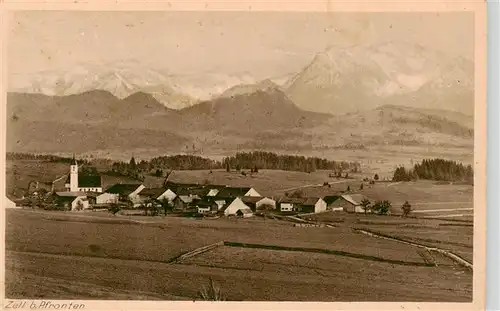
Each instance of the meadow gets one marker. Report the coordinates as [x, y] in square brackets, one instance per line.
[96, 255]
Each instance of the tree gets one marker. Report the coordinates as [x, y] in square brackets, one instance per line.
[365, 205]
[376, 177]
[167, 205]
[406, 209]
[382, 207]
[132, 164]
[159, 173]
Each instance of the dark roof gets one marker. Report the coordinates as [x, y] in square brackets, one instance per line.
[310, 201]
[354, 199]
[123, 189]
[89, 181]
[153, 192]
[200, 191]
[331, 198]
[173, 185]
[291, 200]
[233, 192]
[252, 200]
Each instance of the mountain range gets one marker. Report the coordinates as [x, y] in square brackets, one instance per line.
[336, 81]
[356, 98]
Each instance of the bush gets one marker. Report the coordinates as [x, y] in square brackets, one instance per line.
[381, 207]
[114, 208]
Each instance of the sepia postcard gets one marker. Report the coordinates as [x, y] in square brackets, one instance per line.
[232, 155]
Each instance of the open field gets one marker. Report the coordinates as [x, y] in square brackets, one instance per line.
[118, 257]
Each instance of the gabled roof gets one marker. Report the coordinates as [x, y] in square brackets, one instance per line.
[291, 200]
[123, 189]
[251, 199]
[233, 192]
[331, 198]
[186, 198]
[87, 181]
[310, 201]
[200, 191]
[354, 199]
[153, 192]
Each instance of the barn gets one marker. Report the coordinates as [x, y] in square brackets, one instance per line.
[312, 205]
[350, 203]
[259, 203]
[238, 205]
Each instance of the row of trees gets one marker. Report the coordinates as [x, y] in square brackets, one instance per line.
[41, 157]
[269, 160]
[242, 160]
[436, 169]
[383, 207]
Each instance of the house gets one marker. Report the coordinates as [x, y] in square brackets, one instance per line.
[350, 203]
[82, 182]
[74, 201]
[183, 202]
[330, 200]
[259, 203]
[107, 198]
[289, 204]
[127, 192]
[238, 205]
[234, 192]
[158, 194]
[207, 207]
[312, 205]
[245, 213]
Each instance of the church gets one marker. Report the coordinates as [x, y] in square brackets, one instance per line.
[82, 182]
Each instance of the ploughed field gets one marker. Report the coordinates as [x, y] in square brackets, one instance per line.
[95, 255]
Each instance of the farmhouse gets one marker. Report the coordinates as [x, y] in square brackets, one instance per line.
[312, 205]
[107, 198]
[207, 207]
[82, 182]
[259, 203]
[127, 192]
[289, 204]
[235, 192]
[158, 194]
[236, 206]
[184, 202]
[73, 201]
[349, 203]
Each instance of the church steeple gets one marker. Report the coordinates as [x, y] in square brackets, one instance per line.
[73, 177]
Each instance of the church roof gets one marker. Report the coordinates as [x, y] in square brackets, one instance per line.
[89, 181]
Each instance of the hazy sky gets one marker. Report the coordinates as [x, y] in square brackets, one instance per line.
[262, 44]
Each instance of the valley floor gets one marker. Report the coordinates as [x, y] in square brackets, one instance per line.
[94, 255]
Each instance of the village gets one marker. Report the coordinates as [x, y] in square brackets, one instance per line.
[84, 192]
